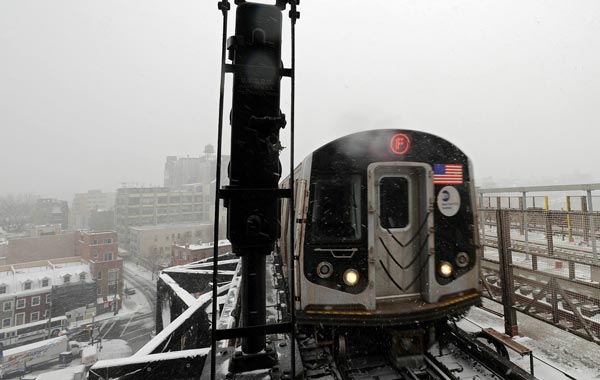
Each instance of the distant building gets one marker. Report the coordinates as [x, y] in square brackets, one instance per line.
[187, 253]
[37, 290]
[85, 204]
[160, 205]
[181, 171]
[47, 247]
[51, 211]
[102, 220]
[100, 250]
[44, 230]
[152, 244]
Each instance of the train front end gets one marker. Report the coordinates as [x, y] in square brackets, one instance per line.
[388, 231]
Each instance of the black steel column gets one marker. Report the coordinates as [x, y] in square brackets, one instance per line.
[506, 276]
[253, 304]
[255, 170]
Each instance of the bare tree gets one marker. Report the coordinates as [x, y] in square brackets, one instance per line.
[16, 211]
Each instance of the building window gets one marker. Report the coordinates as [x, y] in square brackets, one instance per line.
[108, 241]
[45, 282]
[113, 275]
[99, 276]
[48, 298]
[20, 303]
[6, 322]
[7, 306]
[27, 285]
[35, 300]
[108, 256]
[112, 288]
[94, 242]
[82, 276]
[35, 316]
[19, 319]
[2, 289]
[99, 290]
[67, 278]
[46, 314]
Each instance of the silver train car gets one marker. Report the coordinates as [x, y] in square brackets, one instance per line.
[385, 231]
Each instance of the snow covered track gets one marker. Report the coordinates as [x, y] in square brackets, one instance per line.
[460, 356]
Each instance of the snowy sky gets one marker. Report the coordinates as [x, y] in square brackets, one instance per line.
[95, 93]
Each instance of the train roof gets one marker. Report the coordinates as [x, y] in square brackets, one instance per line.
[390, 145]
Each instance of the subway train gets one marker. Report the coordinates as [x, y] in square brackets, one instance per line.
[385, 232]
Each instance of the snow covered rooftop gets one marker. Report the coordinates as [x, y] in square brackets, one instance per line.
[193, 247]
[43, 274]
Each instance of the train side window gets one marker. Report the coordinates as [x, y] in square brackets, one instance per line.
[336, 212]
[393, 202]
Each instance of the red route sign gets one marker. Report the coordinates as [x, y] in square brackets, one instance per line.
[399, 143]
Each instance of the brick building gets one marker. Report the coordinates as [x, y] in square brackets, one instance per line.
[28, 291]
[29, 249]
[100, 250]
[184, 254]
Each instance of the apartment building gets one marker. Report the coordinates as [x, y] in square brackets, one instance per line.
[31, 291]
[99, 250]
[152, 244]
[160, 205]
[85, 204]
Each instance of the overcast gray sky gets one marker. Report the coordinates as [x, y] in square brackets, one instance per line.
[95, 93]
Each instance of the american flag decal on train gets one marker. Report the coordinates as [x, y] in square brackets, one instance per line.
[447, 174]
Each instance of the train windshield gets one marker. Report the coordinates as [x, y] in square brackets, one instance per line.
[393, 202]
[335, 210]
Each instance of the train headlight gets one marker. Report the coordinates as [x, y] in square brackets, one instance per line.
[324, 269]
[351, 277]
[462, 259]
[445, 269]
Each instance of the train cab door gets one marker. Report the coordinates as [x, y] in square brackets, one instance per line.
[399, 196]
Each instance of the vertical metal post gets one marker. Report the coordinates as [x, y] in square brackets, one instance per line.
[554, 300]
[224, 8]
[292, 284]
[481, 218]
[549, 232]
[585, 223]
[254, 312]
[568, 206]
[525, 223]
[505, 253]
[592, 224]
[531, 363]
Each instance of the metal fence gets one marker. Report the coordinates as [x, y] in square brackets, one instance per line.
[545, 264]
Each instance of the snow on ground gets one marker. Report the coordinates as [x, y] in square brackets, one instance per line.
[114, 349]
[139, 270]
[576, 356]
[110, 349]
[62, 374]
[134, 303]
